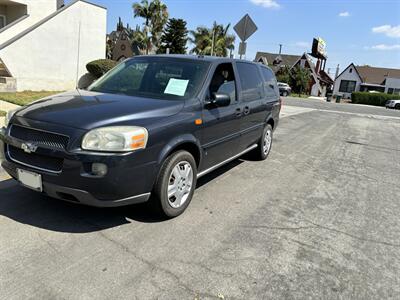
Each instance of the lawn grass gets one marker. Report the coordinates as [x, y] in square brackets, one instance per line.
[2, 113]
[23, 98]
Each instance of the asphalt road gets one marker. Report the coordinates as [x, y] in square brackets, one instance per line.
[319, 219]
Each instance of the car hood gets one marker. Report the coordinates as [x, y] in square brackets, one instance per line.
[88, 110]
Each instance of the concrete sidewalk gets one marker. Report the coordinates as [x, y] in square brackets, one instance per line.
[6, 106]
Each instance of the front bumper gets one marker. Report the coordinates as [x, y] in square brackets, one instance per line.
[129, 179]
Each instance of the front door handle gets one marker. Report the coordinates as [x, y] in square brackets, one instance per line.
[246, 110]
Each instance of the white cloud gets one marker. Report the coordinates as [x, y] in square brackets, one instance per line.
[344, 14]
[388, 30]
[303, 45]
[266, 3]
[384, 47]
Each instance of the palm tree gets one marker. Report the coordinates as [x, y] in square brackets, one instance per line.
[158, 20]
[142, 10]
[155, 14]
[139, 40]
[224, 40]
[215, 41]
[202, 40]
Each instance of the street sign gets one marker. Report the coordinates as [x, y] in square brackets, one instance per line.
[242, 48]
[245, 28]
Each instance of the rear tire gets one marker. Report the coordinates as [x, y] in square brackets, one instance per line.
[175, 184]
[265, 144]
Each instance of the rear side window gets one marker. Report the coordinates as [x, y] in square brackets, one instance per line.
[252, 84]
[270, 86]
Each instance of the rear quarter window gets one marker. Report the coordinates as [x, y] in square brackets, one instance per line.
[270, 84]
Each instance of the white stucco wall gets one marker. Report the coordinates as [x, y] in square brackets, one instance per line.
[36, 9]
[346, 75]
[48, 57]
[393, 83]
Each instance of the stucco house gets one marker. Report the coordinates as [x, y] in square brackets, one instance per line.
[365, 78]
[45, 45]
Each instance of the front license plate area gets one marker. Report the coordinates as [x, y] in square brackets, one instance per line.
[30, 180]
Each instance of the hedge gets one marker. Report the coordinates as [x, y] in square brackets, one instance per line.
[101, 66]
[377, 99]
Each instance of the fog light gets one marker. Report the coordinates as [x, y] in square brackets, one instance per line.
[99, 169]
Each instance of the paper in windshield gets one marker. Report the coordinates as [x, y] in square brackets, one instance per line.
[176, 87]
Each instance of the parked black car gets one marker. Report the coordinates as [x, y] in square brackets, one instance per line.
[144, 131]
[284, 89]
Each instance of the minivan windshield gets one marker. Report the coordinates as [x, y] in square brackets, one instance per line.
[154, 77]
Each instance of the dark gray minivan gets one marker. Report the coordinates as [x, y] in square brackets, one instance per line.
[145, 131]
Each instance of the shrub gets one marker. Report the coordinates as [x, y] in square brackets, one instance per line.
[101, 66]
[377, 99]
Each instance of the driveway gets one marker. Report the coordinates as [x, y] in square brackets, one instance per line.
[319, 219]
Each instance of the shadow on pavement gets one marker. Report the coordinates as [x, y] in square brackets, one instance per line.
[38, 210]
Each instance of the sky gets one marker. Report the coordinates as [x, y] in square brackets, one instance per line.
[364, 32]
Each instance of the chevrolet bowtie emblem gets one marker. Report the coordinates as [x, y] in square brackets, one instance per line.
[29, 147]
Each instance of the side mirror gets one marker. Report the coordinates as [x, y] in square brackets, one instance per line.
[219, 100]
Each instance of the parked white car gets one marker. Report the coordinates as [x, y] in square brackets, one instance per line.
[394, 104]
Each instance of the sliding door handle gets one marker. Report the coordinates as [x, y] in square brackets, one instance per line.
[238, 112]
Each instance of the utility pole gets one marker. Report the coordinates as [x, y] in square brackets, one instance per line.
[78, 56]
[337, 71]
[280, 49]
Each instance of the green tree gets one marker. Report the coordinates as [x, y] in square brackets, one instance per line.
[155, 15]
[301, 79]
[212, 41]
[284, 75]
[174, 37]
[139, 40]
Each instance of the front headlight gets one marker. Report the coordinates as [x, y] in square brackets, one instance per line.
[9, 116]
[116, 139]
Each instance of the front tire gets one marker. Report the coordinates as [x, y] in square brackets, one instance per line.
[175, 185]
[285, 94]
[265, 143]
[397, 106]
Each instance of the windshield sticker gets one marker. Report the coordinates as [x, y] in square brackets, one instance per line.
[176, 87]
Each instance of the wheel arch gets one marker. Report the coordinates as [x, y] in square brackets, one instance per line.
[271, 122]
[186, 142]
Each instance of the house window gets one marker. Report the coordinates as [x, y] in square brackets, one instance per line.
[351, 70]
[3, 21]
[347, 86]
[390, 91]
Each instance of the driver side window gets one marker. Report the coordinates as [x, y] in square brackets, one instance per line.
[223, 81]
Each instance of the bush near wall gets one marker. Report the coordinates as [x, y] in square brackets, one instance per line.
[377, 99]
[101, 66]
